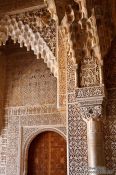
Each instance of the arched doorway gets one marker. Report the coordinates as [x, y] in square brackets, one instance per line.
[47, 155]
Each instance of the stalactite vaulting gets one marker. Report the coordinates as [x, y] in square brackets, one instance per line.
[64, 84]
[24, 35]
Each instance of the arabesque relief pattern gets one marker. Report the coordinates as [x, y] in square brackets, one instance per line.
[28, 102]
[17, 140]
[62, 68]
[77, 138]
[79, 87]
[28, 80]
[89, 94]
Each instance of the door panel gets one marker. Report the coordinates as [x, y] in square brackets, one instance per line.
[47, 155]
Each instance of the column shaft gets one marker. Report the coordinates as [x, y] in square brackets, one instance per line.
[96, 161]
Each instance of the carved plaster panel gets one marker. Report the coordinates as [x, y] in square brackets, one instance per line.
[32, 120]
[77, 139]
[62, 68]
[89, 73]
[110, 143]
[28, 81]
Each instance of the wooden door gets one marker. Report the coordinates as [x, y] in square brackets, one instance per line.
[47, 155]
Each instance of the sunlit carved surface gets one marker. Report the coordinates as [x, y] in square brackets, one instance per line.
[61, 79]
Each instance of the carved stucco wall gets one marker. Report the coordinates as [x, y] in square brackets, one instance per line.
[25, 115]
[30, 106]
[62, 63]
[77, 129]
[28, 81]
[105, 14]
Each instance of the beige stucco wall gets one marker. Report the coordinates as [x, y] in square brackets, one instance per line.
[30, 108]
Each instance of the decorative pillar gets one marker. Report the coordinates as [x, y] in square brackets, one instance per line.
[92, 114]
[85, 110]
[90, 80]
[96, 160]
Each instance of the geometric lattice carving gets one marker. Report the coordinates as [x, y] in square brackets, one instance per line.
[110, 143]
[77, 134]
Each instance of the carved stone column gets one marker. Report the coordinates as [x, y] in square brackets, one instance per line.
[96, 160]
[92, 114]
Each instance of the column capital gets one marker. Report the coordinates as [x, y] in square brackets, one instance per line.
[91, 112]
[93, 109]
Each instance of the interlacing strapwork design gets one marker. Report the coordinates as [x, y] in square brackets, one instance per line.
[77, 133]
[110, 143]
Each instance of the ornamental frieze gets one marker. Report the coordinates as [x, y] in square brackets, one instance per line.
[85, 93]
[31, 110]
